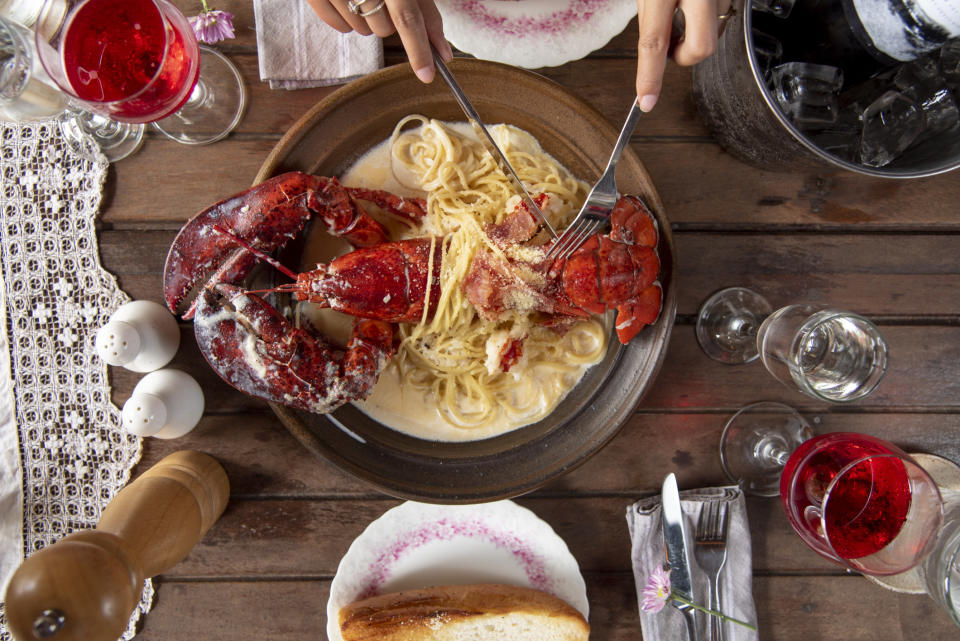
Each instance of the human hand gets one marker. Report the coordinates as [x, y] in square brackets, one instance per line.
[417, 21]
[703, 22]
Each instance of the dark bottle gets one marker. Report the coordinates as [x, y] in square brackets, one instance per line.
[864, 37]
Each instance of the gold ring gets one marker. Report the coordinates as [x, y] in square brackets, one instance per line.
[729, 13]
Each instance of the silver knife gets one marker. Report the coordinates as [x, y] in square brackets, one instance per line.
[488, 142]
[678, 554]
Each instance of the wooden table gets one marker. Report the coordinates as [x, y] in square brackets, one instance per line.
[886, 248]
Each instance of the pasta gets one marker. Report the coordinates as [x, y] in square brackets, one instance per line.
[455, 356]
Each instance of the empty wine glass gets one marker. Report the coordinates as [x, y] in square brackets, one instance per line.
[138, 61]
[854, 499]
[27, 94]
[829, 354]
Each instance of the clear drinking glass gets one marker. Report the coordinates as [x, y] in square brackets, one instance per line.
[941, 569]
[23, 12]
[138, 61]
[829, 354]
[27, 93]
[854, 499]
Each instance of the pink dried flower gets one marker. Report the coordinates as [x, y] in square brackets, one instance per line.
[657, 592]
[211, 25]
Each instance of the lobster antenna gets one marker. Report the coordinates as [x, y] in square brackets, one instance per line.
[262, 255]
[285, 288]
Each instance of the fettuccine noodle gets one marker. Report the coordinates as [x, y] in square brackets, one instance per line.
[455, 355]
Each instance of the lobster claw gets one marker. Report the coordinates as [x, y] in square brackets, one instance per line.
[266, 216]
[221, 243]
[257, 350]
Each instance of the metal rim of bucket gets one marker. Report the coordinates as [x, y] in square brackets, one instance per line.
[801, 138]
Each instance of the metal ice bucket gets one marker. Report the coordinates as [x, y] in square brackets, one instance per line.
[743, 116]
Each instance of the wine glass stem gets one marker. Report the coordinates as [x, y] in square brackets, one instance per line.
[744, 327]
[772, 453]
[199, 95]
[97, 125]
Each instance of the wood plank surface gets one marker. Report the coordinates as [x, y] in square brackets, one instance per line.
[701, 186]
[924, 375]
[288, 538]
[842, 607]
[887, 275]
[886, 248]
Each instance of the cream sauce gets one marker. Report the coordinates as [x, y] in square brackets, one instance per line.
[391, 402]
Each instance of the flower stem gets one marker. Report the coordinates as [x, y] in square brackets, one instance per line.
[721, 615]
[205, 7]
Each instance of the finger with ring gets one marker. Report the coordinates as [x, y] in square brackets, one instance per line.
[355, 7]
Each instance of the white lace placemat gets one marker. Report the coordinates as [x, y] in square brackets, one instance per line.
[72, 452]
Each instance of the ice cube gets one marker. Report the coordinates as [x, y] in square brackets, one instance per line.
[890, 125]
[922, 81]
[808, 93]
[779, 8]
[768, 51]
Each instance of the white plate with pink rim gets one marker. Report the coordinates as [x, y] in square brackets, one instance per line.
[417, 545]
[533, 33]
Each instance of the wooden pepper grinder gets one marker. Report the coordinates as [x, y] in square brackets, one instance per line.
[85, 586]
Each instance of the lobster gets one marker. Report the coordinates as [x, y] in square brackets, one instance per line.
[259, 351]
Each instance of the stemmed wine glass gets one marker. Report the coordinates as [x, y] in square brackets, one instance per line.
[138, 61]
[854, 499]
[829, 354]
[27, 93]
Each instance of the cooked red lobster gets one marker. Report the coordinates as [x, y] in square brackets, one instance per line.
[256, 349]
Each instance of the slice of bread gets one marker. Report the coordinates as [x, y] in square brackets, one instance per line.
[482, 612]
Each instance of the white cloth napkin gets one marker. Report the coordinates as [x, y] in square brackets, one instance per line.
[647, 552]
[11, 474]
[297, 49]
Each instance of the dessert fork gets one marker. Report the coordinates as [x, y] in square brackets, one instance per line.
[710, 551]
[595, 213]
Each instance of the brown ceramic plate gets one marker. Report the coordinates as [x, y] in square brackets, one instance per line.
[331, 137]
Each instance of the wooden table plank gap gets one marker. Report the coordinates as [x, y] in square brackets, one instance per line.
[912, 320]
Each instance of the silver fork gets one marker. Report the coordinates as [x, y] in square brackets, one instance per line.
[595, 213]
[710, 551]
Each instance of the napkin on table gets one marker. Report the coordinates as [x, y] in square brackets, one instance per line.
[647, 552]
[298, 50]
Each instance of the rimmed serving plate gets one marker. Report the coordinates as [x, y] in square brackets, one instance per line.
[533, 33]
[358, 116]
[417, 545]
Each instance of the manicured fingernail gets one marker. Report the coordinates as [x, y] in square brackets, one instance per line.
[425, 74]
[647, 102]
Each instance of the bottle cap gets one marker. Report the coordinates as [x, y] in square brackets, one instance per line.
[118, 343]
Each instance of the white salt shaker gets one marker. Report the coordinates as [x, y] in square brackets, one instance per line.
[141, 336]
[166, 403]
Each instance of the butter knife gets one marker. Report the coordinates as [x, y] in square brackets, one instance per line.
[678, 554]
[488, 142]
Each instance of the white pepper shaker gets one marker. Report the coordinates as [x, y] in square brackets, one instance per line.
[141, 336]
[166, 403]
